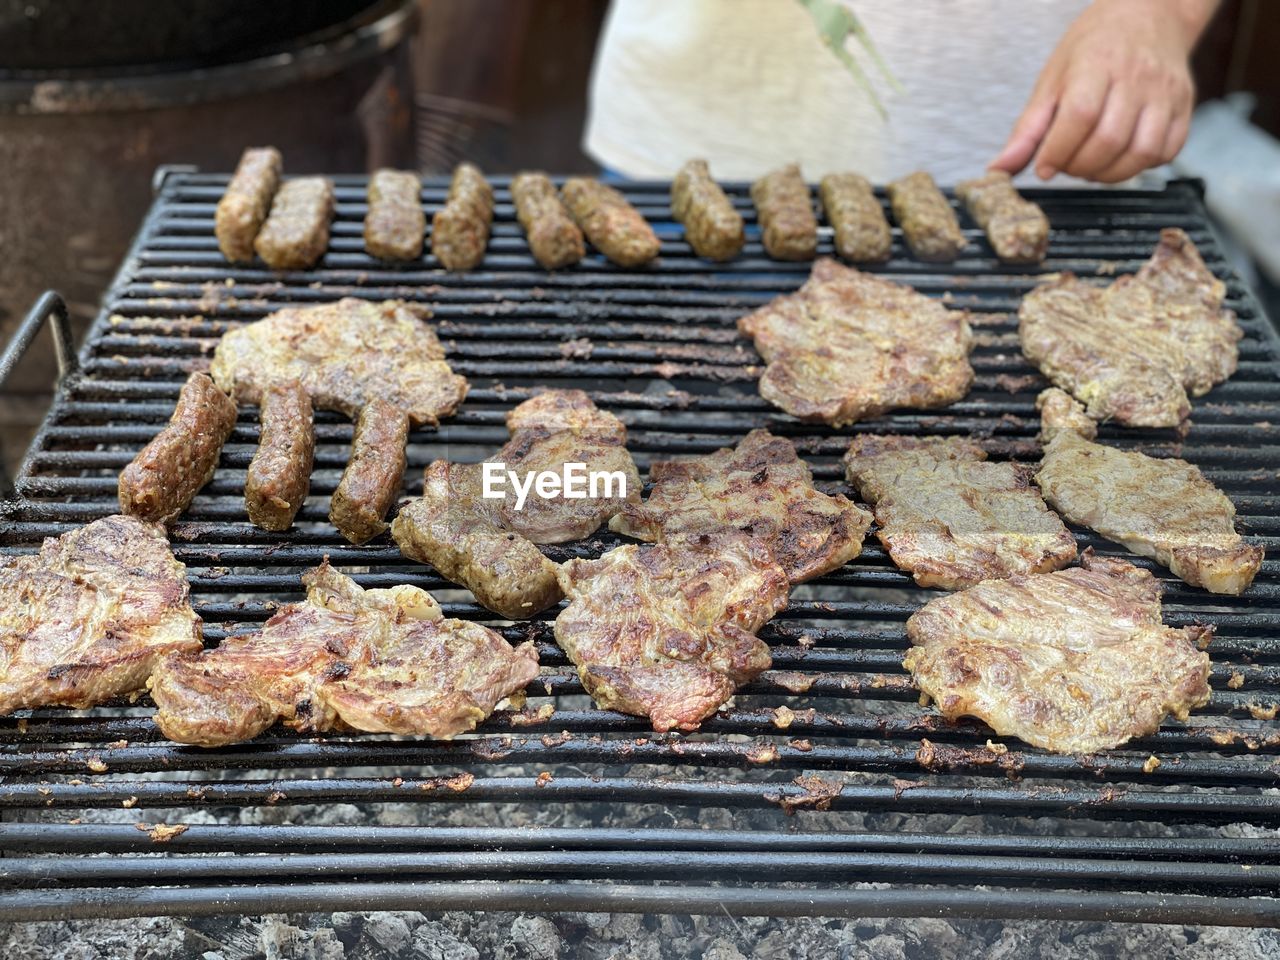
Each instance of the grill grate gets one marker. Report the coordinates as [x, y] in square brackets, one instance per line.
[578, 797]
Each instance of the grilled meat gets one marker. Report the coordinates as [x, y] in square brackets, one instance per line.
[1159, 508]
[296, 233]
[950, 518]
[395, 225]
[862, 232]
[163, 479]
[848, 345]
[460, 229]
[346, 354]
[374, 473]
[613, 226]
[280, 474]
[244, 207]
[713, 228]
[760, 487]
[1073, 661]
[379, 661]
[87, 618]
[668, 631]
[1135, 350]
[927, 220]
[788, 227]
[554, 239]
[1017, 229]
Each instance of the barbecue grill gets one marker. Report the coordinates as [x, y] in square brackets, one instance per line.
[864, 804]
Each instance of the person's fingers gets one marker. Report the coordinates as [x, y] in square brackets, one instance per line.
[1026, 136]
[1110, 139]
[1146, 149]
[1077, 113]
[1176, 136]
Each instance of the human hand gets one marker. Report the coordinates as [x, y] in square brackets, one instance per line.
[1115, 97]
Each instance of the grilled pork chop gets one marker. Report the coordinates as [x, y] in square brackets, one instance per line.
[346, 354]
[668, 631]
[87, 618]
[950, 518]
[1135, 350]
[380, 661]
[760, 487]
[848, 345]
[1072, 661]
[1159, 508]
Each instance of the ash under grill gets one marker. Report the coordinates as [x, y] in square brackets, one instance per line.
[786, 820]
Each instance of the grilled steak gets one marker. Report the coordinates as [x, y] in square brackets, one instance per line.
[460, 229]
[1017, 229]
[788, 228]
[1159, 508]
[280, 475]
[760, 487]
[848, 345]
[613, 226]
[379, 661]
[487, 544]
[554, 239]
[929, 224]
[244, 207]
[395, 224]
[668, 631]
[163, 479]
[950, 518]
[1073, 661]
[87, 618]
[346, 354]
[374, 474]
[1135, 350]
[296, 233]
[713, 228]
[862, 232]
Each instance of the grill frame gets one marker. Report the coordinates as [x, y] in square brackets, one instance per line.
[634, 326]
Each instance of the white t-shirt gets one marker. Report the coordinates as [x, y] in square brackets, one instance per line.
[748, 85]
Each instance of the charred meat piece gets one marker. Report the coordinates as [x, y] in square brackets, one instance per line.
[760, 487]
[88, 617]
[668, 631]
[950, 518]
[1159, 508]
[713, 228]
[244, 207]
[554, 239]
[378, 661]
[927, 220]
[1073, 661]
[280, 473]
[395, 225]
[346, 354]
[862, 232]
[788, 227]
[374, 473]
[165, 476]
[848, 345]
[613, 226]
[296, 233]
[1134, 351]
[460, 229]
[1017, 229]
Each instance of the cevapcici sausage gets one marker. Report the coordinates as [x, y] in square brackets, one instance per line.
[1017, 229]
[460, 229]
[244, 206]
[280, 473]
[862, 232]
[926, 218]
[395, 225]
[613, 226]
[165, 476]
[296, 233]
[374, 473]
[788, 228]
[554, 238]
[711, 225]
